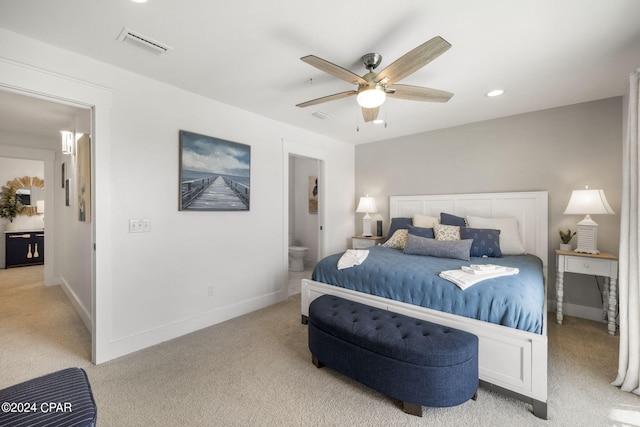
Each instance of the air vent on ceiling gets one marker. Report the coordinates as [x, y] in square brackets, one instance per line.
[137, 39]
[321, 115]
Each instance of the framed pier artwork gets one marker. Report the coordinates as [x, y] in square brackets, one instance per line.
[215, 174]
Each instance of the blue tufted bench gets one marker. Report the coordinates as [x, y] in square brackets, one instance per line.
[417, 362]
[59, 399]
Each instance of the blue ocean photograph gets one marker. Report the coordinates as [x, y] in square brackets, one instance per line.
[215, 174]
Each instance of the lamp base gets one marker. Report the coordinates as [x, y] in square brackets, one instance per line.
[366, 226]
[592, 252]
[587, 236]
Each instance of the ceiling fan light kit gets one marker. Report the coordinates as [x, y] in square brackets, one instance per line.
[371, 96]
[373, 88]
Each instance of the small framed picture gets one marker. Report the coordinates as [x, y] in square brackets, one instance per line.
[66, 192]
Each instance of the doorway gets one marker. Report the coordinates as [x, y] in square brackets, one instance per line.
[30, 132]
[304, 213]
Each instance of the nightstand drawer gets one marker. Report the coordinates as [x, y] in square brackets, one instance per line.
[583, 265]
[361, 242]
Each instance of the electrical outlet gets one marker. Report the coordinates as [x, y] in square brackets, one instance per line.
[139, 226]
[210, 291]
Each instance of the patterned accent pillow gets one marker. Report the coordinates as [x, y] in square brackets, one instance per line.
[456, 249]
[510, 240]
[398, 240]
[446, 232]
[486, 242]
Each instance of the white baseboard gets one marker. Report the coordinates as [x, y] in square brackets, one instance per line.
[82, 311]
[130, 344]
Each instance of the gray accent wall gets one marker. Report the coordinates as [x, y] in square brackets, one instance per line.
[556, 150]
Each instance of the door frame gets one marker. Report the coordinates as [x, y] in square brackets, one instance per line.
[296, 150]
[34, 81]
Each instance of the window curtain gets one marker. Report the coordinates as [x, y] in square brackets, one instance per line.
[628, 378]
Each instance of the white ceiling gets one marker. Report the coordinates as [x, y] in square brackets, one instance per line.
[543, 53]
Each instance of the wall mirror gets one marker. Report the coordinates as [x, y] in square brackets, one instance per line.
[30, 190]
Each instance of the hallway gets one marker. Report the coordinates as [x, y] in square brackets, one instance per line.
[39, 328]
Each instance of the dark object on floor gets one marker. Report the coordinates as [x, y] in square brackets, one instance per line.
[60, 399]
[418, 362]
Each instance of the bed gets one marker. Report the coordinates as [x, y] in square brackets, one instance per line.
[513, 346]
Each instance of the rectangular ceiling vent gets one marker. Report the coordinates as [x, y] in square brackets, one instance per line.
[321, 115]
[137, 39]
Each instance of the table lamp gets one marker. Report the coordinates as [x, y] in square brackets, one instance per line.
[367, 205]
[588, 202]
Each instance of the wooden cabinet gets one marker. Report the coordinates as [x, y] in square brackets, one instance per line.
[24, 248]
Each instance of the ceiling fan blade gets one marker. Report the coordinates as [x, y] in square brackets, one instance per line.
[418, 93]
[333, 69]
[327, 98]
[413, 60]
[370, 114]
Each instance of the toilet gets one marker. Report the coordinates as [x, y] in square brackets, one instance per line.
[296, 257]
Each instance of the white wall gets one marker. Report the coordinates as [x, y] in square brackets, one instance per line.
[556, 150]
[151, 287]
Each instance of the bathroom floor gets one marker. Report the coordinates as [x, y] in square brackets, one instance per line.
[295, 277]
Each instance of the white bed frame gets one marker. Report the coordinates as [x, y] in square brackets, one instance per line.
[511, 361]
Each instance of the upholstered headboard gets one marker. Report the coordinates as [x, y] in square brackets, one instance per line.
[530, 208]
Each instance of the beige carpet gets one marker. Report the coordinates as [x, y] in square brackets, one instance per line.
[256, 370]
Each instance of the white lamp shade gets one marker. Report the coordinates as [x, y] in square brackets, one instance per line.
[588, 202]
[371, 97]
[367, 205]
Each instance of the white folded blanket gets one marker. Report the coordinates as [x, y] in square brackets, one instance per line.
[469, 276]
[352, 257]
[483, 268]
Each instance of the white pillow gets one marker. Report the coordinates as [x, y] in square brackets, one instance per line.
[510, 240]
[425, 221]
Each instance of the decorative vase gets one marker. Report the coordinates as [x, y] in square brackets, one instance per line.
[565, 246]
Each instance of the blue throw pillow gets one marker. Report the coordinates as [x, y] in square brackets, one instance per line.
[422, 232]
[457, 249]
[398, 224]
[448, 219]
[486, 242]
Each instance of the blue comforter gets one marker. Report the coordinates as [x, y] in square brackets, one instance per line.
[514, 301]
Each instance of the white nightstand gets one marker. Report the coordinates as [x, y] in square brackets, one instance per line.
[362, 242]
[605, 265]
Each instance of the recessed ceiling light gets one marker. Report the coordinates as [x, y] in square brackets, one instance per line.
[378, 121]
[495, 92]
[139, 1]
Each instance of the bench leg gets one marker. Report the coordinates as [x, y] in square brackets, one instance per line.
[412, 409]
[316, 362]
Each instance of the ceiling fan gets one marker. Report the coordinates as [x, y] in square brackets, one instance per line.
[374, 88]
